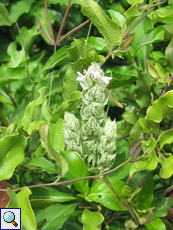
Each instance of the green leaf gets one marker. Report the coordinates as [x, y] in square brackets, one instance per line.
[21, 200]
[8, 75]
[4, 17]
[145, 197]
[149, 164]
[50, 194]
[17, 56]
[169, 55]
[28, 36]
[34, 126]
[163, 14]
[156, 224]
[77, 50]
[77, 169]
[167, 167]
[166, 137]
[105, 25]
[146, 124]
[117, 17]
[41, 163]
[62, 165]
[66, 105]
[102, 194]
[91, 220]
[159, 108]
[139, 30]
[12, 153]
[151, 36]
[162, 205]
[70, 84]
[131, 2]
[143, 90]
[19, 8]
[33, 109]
[47, 114]
[98, 43]
[136, 132]
[56, 59]
[126, 191]
[57, 134]
[117, 225]
[56, 215]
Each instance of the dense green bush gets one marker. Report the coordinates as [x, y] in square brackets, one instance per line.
[86, 109]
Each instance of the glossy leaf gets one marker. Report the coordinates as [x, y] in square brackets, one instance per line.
[117, 17]
[57, 134]
[162, 205]
[56, 215]
[145, 197]
[152, 36]
[104, 24]
[20, 8]
[41, 163]
[4, 17]
[143, 90]
[62, 165]
[149, 164]
[50, 194]
[77, 169]
[169, 55]
[163, 14]
[56, 59]
[136, 132]
[8, 75]
[101, 193]
[158, 110]
[12, 153]
[167, 167]
[166, 138]
[33, 109]
[66, 105]
[156, 224]
[91, 220]
[21, 200]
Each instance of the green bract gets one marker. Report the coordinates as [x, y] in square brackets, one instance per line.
[95, 138]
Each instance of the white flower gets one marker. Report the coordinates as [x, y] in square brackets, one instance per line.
[96, 71]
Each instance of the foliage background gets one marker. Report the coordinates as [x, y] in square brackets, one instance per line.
[133, 42]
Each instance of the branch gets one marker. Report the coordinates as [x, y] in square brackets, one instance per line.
[48, 20]
[47, 35]
[63, 21]
[70, 181]
[72, 31]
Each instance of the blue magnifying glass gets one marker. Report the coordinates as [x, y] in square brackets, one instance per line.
[9, 218]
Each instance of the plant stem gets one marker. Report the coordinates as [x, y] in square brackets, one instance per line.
[48, 20]
[62, 24]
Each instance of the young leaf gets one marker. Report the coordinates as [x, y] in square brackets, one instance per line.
[158, 110]
[91, 220]
[77, 169]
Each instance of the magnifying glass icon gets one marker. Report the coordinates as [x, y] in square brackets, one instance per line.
[9, 217]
